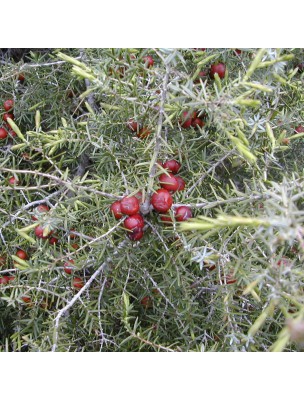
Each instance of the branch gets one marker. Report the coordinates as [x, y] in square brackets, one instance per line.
[71, 303]
[220, 161]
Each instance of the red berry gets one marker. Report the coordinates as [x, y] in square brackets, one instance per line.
[229, 279]
[39, 232]
[197, 122]
[181, 183]
[3, 280]
[68, 268]
[219, 69]
[300, 67]
[237, 52]
[21, 78]
[26, 299]
[3, 133]
[13, 181]
[148, 61]
[132, 125]
[129, 205]
[12, 133]
[137, 234]
[146, 302]
[72, 235]
[143, 133]
[78, 283]
[53, 240]
[134, 221]
[161, 200]
[22, 254]
[284, 262]
[183, 213]
[166, 218]
[202, 75]
[172, 166]
[299, 129]
[8, 115]
[168, 182]
[116, 209]
[41, 209]
[187, 118]
[8, 105]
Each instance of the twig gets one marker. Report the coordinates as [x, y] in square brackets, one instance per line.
[71, 303]
[150, 343]
[208, 172]
[159, 130]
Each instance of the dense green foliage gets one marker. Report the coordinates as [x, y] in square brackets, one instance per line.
[231, 279]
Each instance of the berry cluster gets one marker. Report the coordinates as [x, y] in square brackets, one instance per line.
[191, 119]
[8, 106]
[134, 222]
[161, 201]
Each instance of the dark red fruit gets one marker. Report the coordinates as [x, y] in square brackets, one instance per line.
[132, 125]
[187, 118]
[219, 69]
[8, 105]
[12, 133]
[146, 302]
[53, 240]
[148, 60]
[237, 51]
[3, 280]
[143, 133]
[116, 209]
[26, 299]
[39, 232]
[229, 279]
[137, 234]
[22, 254]
[168, 182]
[299, 129]
[284, 262]
[8, 115]
[202, 75]
[161, 200]
[183, 213]
[68, 267]
[21, 78]
[300, 67]
[13, 181]
[172, 166]
[197, 122]
[134, 221]
[78, 283]
[41, 209]
[129, 205]
[166, 218]
[72, 235]
[3, 133]
[181, 183]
